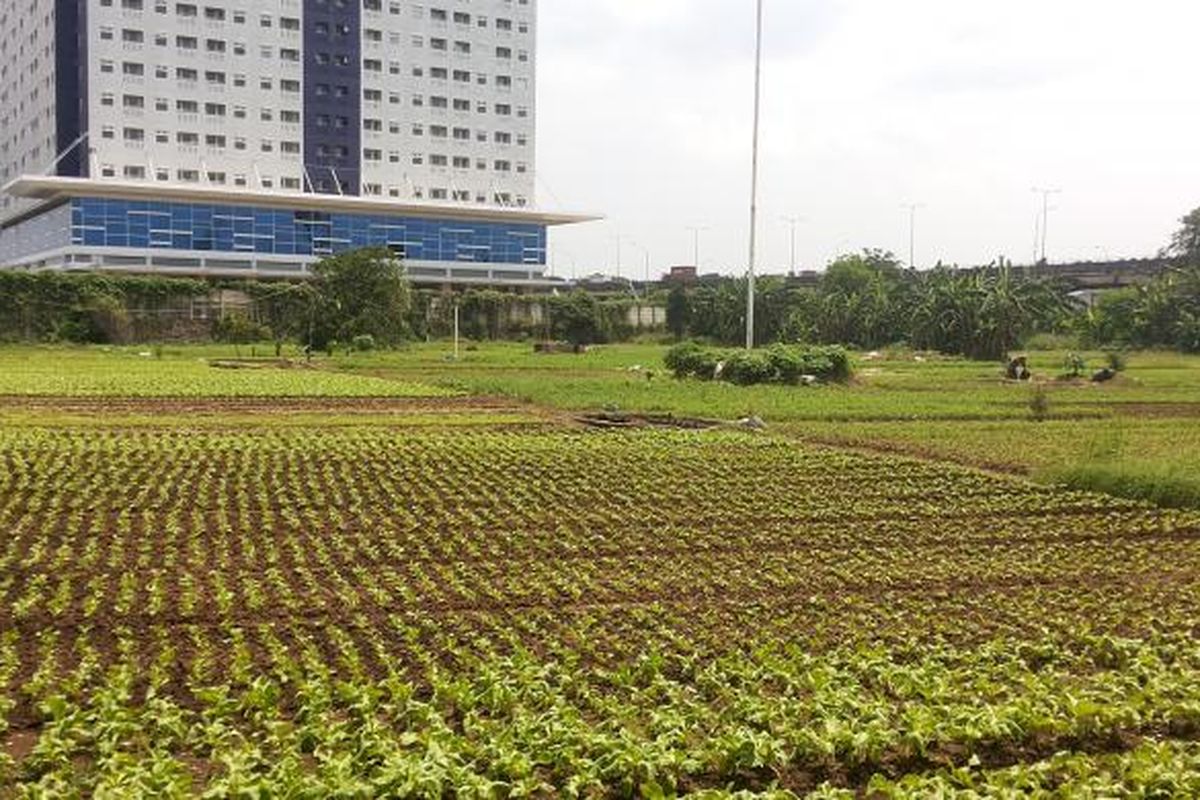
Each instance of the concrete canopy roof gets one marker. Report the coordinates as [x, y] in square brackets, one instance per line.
[57, 188]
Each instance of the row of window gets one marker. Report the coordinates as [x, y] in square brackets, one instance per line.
[292, 117]
[135, 69]
[220, 141]
[290, 86]
[139, 172]
[187, 43]
[189, 11]
[218, 79]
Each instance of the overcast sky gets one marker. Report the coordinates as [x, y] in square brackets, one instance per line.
[961, 105]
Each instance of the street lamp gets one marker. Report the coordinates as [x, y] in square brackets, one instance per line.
[912, 232]
[1045, 193]
[758, 40]
[792, 222]
[696, 231]
[617, 237]
[646, 254]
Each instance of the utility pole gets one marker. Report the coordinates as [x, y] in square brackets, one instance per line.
[1045, 193]
[696, 245]
[646, 255]
[912, 232]
[1037, 237]
[456, 330]
[792, 222]
[758, 38]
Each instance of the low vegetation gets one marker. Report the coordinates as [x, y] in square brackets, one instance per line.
[779, 364]
[249, 569]
[495, 612]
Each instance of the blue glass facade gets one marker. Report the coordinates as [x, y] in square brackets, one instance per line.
[71, 85]
[98, 222]
[332, 96]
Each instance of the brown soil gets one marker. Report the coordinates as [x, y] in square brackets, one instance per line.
[617, 421]
[19, 744]
[1168, 410]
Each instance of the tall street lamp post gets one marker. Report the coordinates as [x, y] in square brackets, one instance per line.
[758, 38]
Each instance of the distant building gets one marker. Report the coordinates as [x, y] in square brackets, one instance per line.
[681, 275]
[233, 138]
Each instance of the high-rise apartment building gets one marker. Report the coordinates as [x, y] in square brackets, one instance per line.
[219, 137]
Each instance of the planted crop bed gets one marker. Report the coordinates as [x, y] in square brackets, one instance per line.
[500, 612]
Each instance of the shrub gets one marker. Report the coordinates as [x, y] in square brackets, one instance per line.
[784, 364]
[746, 368]
[690, 360]
[363, 343]
[1116, 360]
[1074, 365]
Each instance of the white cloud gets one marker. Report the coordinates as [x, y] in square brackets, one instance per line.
[644, 115]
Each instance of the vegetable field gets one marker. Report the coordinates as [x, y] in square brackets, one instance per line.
[58, 372]
[498, 608]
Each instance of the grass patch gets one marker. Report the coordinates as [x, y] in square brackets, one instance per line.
[1164, 485]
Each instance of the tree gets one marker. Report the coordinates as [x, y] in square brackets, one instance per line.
[577, 318]
[679, 312]
[287, 309]
[1186, 241]
[360, 293]
[858, 300]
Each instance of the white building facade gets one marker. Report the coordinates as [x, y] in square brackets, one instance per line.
[224, 137]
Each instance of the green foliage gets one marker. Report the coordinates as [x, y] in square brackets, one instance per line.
[85, 307]
[981, 314]
[582, 318]
[1117, 360]
[1074, 365]
[363, 344]
[718, 311]
[1164, 485]
[859, 302]
[484, 313]
[327, 609]
[287, 309]
[679, 312]
[361, 292]
[576, 318]
[240, 329]
[782, 364]
[747, 368]
[1185, 243]
[691, 360]
[96, 372]
[1163, 313]
[867, 300]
